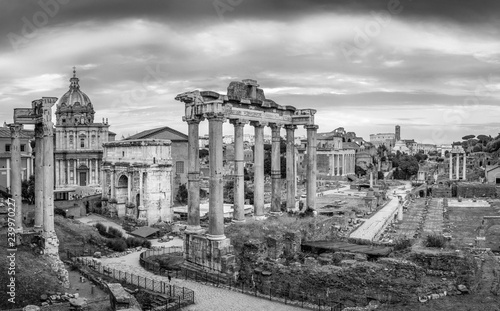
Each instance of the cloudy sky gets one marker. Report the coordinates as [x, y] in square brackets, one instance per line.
[432, 67]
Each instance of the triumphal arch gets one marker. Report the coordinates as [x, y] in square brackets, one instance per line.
[245, 103]
[40, 115]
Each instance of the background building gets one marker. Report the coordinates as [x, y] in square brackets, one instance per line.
[78, 140]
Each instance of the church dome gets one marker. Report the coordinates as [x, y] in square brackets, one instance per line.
[74, 107]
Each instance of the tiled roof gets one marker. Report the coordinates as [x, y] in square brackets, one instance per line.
[152, 132]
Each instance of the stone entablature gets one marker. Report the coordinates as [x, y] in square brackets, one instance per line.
[137, 180]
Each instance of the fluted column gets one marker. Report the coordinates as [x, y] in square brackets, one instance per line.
[193, 176]
[258, 182]
[451, 165]
[457, 169]
[275, 168]
[216, 206]
[38, 177]
[290, 166]
[57, 173]
[48, 177]
[15, 173]
[129, 188]
[311, 165]
[465, 168]
[239, 178]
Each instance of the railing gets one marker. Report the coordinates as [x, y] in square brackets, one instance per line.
[179, 296]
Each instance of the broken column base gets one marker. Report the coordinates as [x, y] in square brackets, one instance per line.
[51, 243]
[216, 255]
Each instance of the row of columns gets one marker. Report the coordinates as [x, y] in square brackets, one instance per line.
[64, 169]
[344, 161]
[457, 166]
[216, 212]
[44, 176]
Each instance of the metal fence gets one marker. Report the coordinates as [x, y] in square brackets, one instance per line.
[270, 291]
[180, 296]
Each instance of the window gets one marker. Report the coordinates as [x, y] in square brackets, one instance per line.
[179, 167]
[7, 148]
[82, 142]
[71, 139]
[23, 147]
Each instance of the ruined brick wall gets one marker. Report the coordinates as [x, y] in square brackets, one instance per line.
[476, 190]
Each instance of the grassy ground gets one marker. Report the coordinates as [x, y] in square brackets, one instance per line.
[34, 275]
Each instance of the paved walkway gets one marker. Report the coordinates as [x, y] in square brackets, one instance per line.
[375, 225]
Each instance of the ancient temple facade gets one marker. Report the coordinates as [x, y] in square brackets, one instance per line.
[78, 139]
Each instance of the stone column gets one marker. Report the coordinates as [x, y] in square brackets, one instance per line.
[458, 166]
[311, 165]
[57, 173]
[75, 177]
[451, 166]
[239, 172]
[465, 168]
[91, 179]
[290, 166]
[129, 186]
[193, 176]
[216, 204]
[275, 168]
[344, 170]
[258, 169]
[112, 182]
[141, 190]
[38, 177]
[104, 186]
[15, 173]
[48, 178]
[336, 164]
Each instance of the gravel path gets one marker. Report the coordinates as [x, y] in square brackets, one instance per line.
[207, 297]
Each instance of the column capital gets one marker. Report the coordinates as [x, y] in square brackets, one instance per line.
[311, 127]
[38, 130]
[238, 122]
[48, 129]
[290, 126]
[215, 116]
[193, 119]
[258, 123]
[275, 125]
[15, 130]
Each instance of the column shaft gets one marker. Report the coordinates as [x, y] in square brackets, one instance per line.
[451, 166]
[129, 190]
[48, 178]
[104, 186]
[275, 169]
[239, 173]
[15, 174]
[216, 206]
[311, 166]
[457, 170]
[112, 182]
[38, 177]
[258, 182]
[290, 167]
[193, 177]
[464, 173]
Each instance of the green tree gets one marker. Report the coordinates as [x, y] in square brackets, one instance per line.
[359, 171]
[409, 166]
[229, 192]
[182, 194]
[28, 189]
[203, 153]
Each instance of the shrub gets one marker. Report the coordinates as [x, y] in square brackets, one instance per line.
[146, 244]
[435, 241]
[118, 245]
[402, 244]
[114, 233]
[101, 229]
[60, 211]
